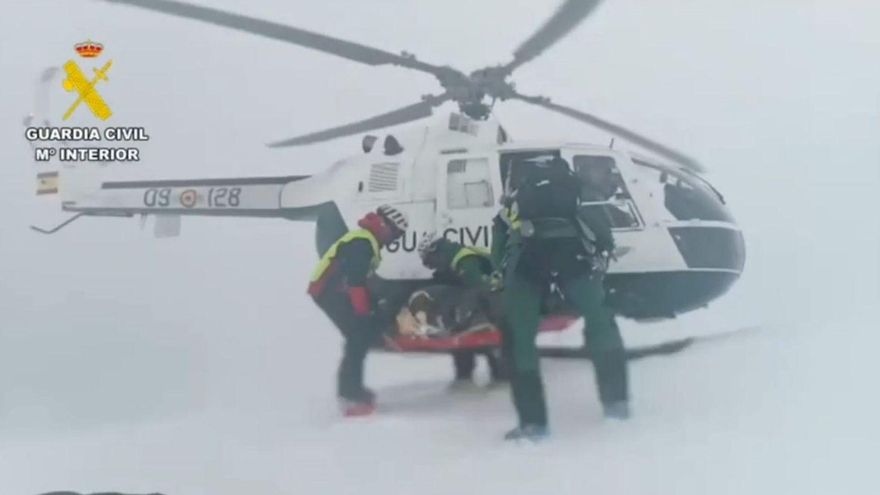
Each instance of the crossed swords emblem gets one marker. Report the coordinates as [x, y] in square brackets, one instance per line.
[76, 81]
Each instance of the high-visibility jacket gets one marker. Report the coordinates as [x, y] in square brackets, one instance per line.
[465, 252]
[472, 266]
[460, 265]
[327, 269]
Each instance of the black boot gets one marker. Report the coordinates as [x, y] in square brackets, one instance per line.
[464, 363]
[613, 383]
[534, 433]
[497, 366]
[528, 398]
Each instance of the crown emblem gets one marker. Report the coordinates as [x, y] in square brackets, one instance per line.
[88, 49]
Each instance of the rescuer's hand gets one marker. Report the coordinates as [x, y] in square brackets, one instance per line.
[383, 313]
[496, 281]
[383, 306]
[599, 262]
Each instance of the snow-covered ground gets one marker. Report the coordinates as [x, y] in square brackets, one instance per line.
[233, 394]
[760, 412]
[198, 367]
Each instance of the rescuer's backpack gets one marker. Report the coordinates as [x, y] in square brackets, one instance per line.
[548, 190]
[557, 228]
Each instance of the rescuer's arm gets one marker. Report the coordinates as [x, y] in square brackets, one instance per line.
[356, 257]
[470, 270]
[599, 222]
[499, 240]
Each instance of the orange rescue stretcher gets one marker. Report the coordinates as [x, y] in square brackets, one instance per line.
[421, 327]
[479, 338]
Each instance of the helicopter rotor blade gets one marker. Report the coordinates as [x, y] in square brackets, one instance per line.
[315, 41]
[635, 138]
[568, 16]
[403, 115]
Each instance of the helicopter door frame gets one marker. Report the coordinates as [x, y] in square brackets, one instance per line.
[467, 196]
[622, 202]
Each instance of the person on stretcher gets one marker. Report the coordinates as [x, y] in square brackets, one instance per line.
[460, 301]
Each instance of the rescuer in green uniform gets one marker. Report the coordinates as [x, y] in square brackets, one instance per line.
[470, 269]
[542, 237]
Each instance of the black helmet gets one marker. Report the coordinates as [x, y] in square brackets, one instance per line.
[431, 250]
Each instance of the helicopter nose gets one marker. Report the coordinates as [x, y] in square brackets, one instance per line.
[714, 258]
[710, 248]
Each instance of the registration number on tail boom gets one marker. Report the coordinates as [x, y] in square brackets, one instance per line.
[211, 197]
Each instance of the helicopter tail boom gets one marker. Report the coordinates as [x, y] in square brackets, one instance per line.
[258, 197]
[243, 197]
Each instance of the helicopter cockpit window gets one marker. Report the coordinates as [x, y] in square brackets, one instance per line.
[685, 196]
[603, 187]
[468, 184]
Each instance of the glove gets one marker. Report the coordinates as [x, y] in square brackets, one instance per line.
[360, 300]
[599, 262]
[384, 313]
[383, 306]
[496, 281]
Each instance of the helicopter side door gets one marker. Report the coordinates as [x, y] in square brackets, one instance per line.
[467, 190]
[603, 187]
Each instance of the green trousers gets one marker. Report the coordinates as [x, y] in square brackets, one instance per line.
[521, 305]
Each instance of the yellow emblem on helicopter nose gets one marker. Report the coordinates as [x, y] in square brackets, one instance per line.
[76, 81]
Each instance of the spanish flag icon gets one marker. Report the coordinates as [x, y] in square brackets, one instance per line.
[47, 183]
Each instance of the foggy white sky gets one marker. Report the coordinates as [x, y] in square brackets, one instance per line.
[779, 98]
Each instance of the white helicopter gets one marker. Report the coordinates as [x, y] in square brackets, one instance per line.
[678, 246]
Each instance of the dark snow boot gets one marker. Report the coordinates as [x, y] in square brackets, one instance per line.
[497, 367]
[464, 363]
[616, 410]
[528, 398]
[530, 432]
[611, 376]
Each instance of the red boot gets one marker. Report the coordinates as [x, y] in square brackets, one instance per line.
[357, 409]
[362, 404]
